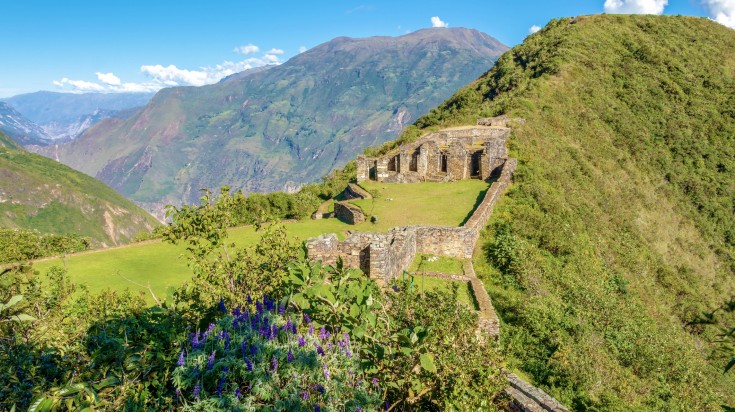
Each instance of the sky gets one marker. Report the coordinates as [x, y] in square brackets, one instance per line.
[135, 45]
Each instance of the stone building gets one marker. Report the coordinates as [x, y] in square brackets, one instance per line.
[471, 152]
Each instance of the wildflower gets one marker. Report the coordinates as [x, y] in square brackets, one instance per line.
[244, 347]
[326, 372]
[359, 409]
[220, 386]
[274, 363]
[249, 364]
[227, 338]
[281, 309]
[250, 300]
[319, 350]
[210, 360]
[289, 325]
[317, 408]
[311, 329]
[375, 381]
[324, 333]
[304, 395]
[222, 306]
[197, 388]
[253, 350]
[181, 359]
[237, 312]
[238, 394]
[307, 319]
[302, 341]
[319, 389]
[289, 356]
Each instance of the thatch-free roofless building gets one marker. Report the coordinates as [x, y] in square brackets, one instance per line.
[471, 152]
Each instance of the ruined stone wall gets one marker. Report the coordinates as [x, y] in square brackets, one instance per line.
[391, 256]
[444, 241]
[348, 213]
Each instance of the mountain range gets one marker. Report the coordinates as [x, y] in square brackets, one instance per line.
[282, 126]
[64, 116]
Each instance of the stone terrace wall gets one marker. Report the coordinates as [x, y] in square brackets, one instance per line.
[386, 255]
[348, 213]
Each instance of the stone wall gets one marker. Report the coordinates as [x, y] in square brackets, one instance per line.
[528, 398]
[348, 213]
[353, 191]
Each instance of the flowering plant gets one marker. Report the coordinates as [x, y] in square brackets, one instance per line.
[271, 359]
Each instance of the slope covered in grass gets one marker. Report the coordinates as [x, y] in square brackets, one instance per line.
[618, 233]
[40, 194]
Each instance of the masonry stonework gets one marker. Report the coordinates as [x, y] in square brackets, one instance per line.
[348, 213]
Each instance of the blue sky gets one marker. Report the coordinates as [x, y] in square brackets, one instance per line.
[76, 45]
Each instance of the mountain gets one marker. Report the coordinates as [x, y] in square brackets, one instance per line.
[611, 258]
[66, 115]
[282, 127]
[19, 128]
[41, 194]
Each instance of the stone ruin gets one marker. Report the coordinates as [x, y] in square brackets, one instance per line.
[470, 152]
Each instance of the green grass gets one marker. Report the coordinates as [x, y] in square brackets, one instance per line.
[618, 232]
[464, 292]
[448, 204]
[441, 264]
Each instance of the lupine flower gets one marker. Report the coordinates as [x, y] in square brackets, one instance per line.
[253, 350]
[244, 347]
[319, 389]
[181, 359]
[210, 361]
[319, 350]
[289, 356]
[222, 306]
[375, 381]
[274, 363]
[238, 394]
[250, 300]
[317, 408]
[304, 395]
[324, 333]
[220, 386]
[197, 388]
[359, 409]
[307, 319]
[302, 341]
[288, 326]
[326, 372]
[249, 364]
[226, 335]
[311, 329]
[281, 309]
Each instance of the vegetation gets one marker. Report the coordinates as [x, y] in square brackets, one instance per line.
[17, 245]
[326, 338]
[41, 194]
[617, 233]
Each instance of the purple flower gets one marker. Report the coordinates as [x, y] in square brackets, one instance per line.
[304, 395]
[311, 329]
[181, 359]
[210, 328]
[281, 309]
[375, 381]
[319, 389]
[326, 372]
[302, 341]
[238, 394]
[307, 319]
[359, 409]
[226, 335]
[324, 333]
[289, 356]
[289, 325]
[274, 363]
[253, 350]
[220, 386]
[197, 388]
[317, 408]
[222, 306]
[319, 350]
[250, 300]
[249, 364]
[244, 347]
[210, 361]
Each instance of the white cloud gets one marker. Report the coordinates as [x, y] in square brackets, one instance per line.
[635, 6]
[533, 29]
[302, 49]
[247, 49]
[79, 85]
[721, 11]
[437, 22]
[108, 78]
[168, 76]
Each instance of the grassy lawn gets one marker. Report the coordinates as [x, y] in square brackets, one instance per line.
[464, 292]
[448, 204]
[160, 264]
[431, 263]
[163, 266]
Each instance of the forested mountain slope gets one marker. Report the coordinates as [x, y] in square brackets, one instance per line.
[279, 128]
[41, 194]
[617, 238]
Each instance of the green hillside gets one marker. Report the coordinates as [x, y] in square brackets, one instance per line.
[282, 127]
[618, 234]
[41, 194]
